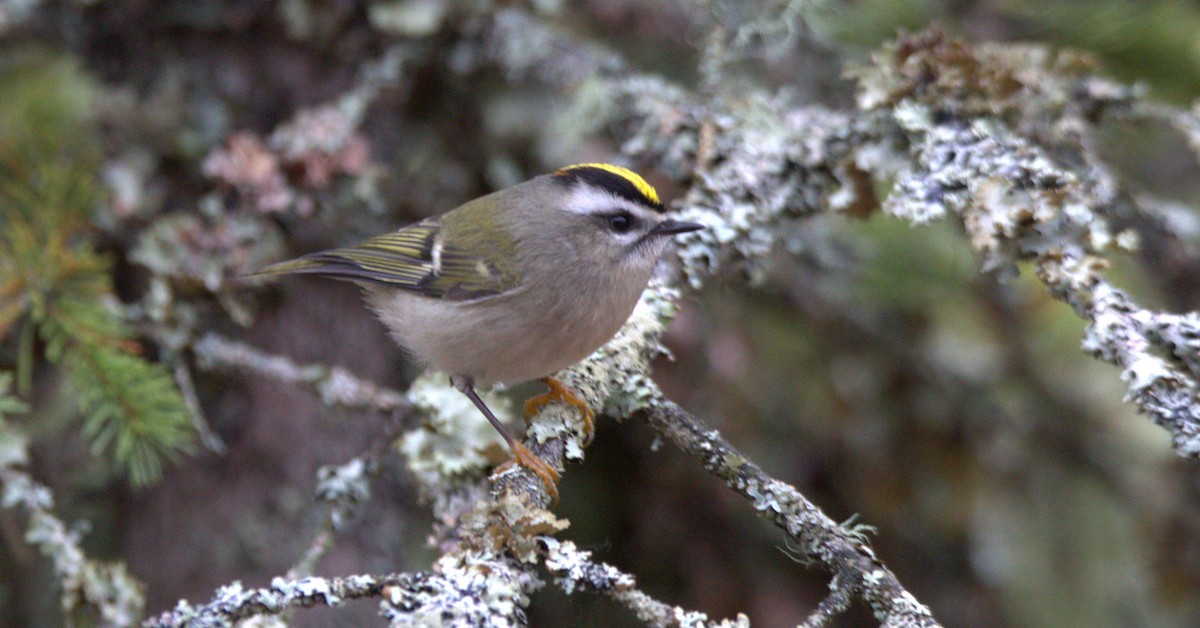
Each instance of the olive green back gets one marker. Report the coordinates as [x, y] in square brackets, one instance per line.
[480, 262]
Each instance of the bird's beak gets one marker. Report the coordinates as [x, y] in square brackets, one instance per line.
[672, 227]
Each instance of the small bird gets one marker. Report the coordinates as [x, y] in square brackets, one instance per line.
[515, 285]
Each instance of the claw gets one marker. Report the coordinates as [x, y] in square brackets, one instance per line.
[523, 456]
[559, 392]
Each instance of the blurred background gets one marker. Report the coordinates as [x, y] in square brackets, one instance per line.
[149, 150]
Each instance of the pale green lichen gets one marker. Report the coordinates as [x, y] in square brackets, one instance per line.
[233, 604]
[1026, 81]
[344, 487]
[104, 588]
[1188, 123]
[770, 172]
[408, 18]
[574, 569]
[194, 249]
[455, 440]
[993, 155]
[14, 445]
[513, 522]
[465, 589]
[14, 12]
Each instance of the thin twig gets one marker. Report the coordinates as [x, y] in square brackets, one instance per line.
[106, 589]
[819, 537]
[334, 384]
[187, 387]
[233, 602]
[574, 570]
[834, 604]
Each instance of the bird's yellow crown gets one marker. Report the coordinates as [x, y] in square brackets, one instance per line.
[619, 180]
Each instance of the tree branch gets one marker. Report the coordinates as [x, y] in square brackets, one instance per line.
[574, 570]
[334, 384]
[855, 568]
[995, 147]
[232, 603]
[105, 588]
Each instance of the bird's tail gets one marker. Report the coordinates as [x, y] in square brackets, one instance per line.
[300, 265]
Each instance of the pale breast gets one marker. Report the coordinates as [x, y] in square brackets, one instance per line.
[510, 338]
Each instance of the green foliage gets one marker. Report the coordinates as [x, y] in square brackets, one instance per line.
[868, 23]
[45, 97]
[1153, 41]
[1139, 41]
[8, 403]
[133, 410]
[56, 287]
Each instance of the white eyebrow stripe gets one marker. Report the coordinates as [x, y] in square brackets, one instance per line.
[590, 201]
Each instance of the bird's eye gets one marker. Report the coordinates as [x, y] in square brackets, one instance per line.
[620, 223]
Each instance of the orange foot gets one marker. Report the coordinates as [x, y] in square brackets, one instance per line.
[558, 392]
[526, 458]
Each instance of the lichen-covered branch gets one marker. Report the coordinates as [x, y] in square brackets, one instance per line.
[772, 164]
[234, 602]
[334, 384]
[14, 12]
[834, 604]
[574, 570]
[105, 589]
[344, 489]
[993, 136]
[853, 563]
[793, 173]
[463, 591]
[1018, 202]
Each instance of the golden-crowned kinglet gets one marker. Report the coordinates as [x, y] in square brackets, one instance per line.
[515, 285]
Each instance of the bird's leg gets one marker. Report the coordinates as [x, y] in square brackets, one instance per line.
[559, 392]
[521, 454]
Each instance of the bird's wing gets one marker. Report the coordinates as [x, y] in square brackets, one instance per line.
[417, 258]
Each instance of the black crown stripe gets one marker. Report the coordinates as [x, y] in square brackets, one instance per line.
[609, 181]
